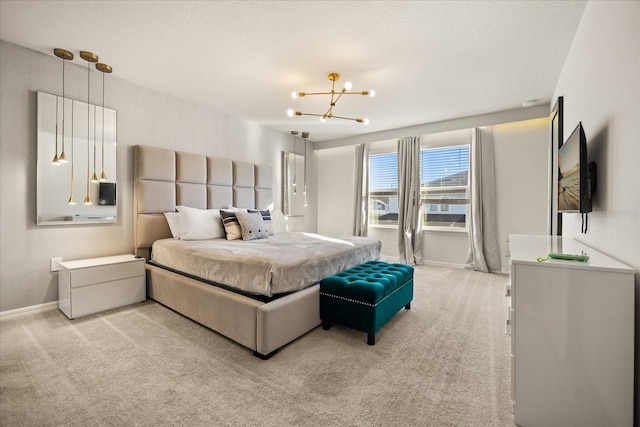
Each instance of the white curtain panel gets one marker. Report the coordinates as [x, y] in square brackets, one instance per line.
[361, 191]
[484, 252]
[409, 203]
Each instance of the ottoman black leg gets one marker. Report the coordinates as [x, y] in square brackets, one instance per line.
[326, 325]
[371, 339]
[407, 307]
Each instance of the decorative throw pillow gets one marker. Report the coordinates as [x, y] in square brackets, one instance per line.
[231, 225]
[173, 219]
[266, 217]
[252, 225]
[199, 224]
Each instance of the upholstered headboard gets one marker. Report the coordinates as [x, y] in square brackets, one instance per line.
[165, 178]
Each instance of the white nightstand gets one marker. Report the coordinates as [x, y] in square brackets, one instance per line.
[91, 285]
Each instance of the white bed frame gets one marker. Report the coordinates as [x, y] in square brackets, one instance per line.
[164, 179]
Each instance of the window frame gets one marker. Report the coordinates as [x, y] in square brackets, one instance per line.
[381, 148]
[425, 200]
[429, 141]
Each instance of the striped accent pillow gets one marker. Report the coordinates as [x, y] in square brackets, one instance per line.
[231, 225]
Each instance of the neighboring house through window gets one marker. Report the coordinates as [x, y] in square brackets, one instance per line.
[444, 186]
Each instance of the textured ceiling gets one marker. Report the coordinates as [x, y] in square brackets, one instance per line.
[428, 61]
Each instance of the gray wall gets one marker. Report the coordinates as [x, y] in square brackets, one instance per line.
[144, 117]
[601, 88]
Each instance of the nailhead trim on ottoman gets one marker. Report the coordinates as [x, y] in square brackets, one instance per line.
[365, 297]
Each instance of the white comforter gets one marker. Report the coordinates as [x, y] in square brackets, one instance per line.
[284, 262]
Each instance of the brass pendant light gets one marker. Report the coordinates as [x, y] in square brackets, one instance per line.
[72, 200]
[295, 162]
[65, 55]
[56, 159]
[94, 177]
[305, 135]
[104, 68]
[89, 57]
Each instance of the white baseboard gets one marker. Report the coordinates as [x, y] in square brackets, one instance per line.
[444, 264]
[392, 259]
[29, 310]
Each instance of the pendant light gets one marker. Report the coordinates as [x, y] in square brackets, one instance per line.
[295, 162]
[72, 200]
[65, 55]
[56, 159]
[94, 177]
[89, 57]
[104, 68]
[305, 135]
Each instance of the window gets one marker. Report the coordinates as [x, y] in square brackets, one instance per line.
[444, 184]
[383, 189]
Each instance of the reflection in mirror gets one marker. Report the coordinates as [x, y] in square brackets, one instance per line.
[293, 181]
[87, 153]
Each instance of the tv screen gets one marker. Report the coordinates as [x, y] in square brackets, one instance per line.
[107, 194]
[573, 184]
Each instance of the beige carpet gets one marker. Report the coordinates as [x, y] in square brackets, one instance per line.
[445, 362]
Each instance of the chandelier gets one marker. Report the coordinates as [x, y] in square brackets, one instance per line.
[335, 96]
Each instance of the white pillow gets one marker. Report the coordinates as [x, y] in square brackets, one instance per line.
[253, 226]
[200, 224]
[234, 209]
[279, 223]
[173, 219]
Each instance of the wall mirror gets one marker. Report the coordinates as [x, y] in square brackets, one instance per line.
[87, 137]
[293, 182]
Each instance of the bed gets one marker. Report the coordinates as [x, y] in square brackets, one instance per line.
[263, 305]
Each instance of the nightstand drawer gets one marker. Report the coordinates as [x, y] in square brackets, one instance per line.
[108, 295]
[91, 275]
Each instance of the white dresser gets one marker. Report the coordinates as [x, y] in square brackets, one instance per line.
[572, 335]
[91, 285]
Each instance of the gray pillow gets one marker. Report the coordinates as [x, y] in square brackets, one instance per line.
[266, 217]
[253, 226]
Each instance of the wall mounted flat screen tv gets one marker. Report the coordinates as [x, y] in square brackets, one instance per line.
[574, 187]
[107, 194]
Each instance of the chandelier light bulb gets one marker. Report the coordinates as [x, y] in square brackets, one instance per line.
[294, 94]
[366, 122]
[347, 85]
[372, 93]
[323, 119]
[290, 112]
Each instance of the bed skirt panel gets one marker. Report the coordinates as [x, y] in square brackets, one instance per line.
[227, 313]
[283, 320]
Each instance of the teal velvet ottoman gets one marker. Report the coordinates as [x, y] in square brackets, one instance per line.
[365, 297]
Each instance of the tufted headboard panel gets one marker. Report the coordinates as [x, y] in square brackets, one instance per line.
[165, 178]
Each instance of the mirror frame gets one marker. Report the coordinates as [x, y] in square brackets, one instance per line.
[54, 181]
[293, 204]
